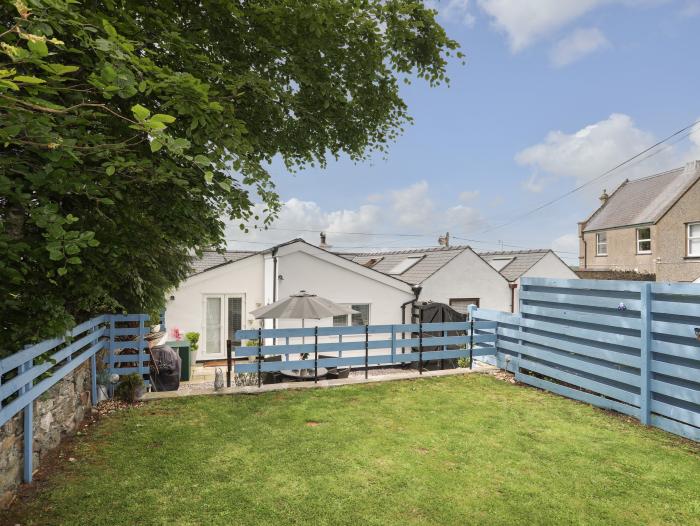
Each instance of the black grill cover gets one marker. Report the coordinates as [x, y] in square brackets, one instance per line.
[165, 368]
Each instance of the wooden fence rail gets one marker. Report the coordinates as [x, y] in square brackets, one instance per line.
[29, 373]
[622, 345]
[391, 338]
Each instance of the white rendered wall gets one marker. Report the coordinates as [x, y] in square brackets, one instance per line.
[468, 276]
[550, 266]
[243, 277]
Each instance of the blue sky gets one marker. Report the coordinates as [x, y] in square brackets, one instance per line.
[554, 93]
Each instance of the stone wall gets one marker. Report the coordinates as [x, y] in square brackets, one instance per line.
[57, 413]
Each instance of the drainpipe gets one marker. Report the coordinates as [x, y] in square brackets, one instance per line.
[416, 291]
[274, 283]
[512, 286]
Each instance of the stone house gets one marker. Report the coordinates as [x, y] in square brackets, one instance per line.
[649, 225]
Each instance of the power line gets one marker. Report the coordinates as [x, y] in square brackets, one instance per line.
[598, 178]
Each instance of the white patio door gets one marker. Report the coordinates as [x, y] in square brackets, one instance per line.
[223, 316]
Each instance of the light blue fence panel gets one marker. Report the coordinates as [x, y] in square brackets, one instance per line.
[631, 346]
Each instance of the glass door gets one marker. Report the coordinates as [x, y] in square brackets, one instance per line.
[213, 335]
[223, 316]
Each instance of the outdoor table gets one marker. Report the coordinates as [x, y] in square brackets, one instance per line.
[296, 374]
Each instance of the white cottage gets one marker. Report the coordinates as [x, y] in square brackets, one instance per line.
[224, 287]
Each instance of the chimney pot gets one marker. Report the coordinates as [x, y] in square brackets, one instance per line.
[604, 197]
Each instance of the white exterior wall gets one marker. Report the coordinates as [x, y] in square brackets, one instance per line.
[468, 276]
[244, 277]
[340, 281]
[549, 266]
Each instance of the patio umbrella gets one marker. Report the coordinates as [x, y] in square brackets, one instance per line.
[302, 306]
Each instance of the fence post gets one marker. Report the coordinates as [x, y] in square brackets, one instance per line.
[366, 351]
[259, 357]
[143, 318]
[420, 348]
[393, 344]
[228, 363]
[93, 379]
[645, 370]
[110, 352]
[316, 354]
[28, 446]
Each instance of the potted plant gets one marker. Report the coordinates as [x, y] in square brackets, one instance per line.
[130, 388]
[193, 338]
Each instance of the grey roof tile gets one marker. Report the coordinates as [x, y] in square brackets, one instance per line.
[643, 201]
[211, 259]
[431, 260]
[523, 260]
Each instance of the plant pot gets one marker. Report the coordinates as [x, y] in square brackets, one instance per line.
[101, 393]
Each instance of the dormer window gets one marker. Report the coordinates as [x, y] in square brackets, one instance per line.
[601, 244]
[644, 240]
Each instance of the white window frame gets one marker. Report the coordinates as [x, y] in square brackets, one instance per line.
[639, 241]
[348, 317]
[599, 243]
[690, 238]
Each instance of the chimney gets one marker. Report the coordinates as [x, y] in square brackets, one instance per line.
[323, 243]
[444, 241]
[604, 197]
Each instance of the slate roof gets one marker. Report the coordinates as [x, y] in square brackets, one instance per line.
[643, 201]
[523, 260]
[432, 260]
[211, 259]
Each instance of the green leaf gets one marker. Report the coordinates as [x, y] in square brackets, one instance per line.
[142, 86]
[140, 112]
[38, 47]
[62, 271]
[9, 84]
[110, 170]
[106, 201]
[75, 260]
[28, 80]
[109, 28]
[216, 106]
[208, 176]
[202, 160]
[156, 145]
[162, 117]
[225, 185]
[59, 69]
[7, 73]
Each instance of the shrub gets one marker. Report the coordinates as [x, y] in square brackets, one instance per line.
[193, 338]
[130, 387]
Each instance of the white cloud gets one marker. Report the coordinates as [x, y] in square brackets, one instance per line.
[535, 183]
[577, 45]
[567, 244]
[469, 196]
[593, 150]
[409, 210]
[412, 206]
[457, 11]
[525, 22]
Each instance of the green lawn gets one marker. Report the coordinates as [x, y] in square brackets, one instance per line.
[455, 450]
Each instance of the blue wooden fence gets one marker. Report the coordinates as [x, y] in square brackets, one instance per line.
[27, 374]
[621, 345]
[377, 344]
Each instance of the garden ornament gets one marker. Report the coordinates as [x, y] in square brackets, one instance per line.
[622, 307]
[218, 379]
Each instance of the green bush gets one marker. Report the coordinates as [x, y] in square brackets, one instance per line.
[129, 388]
[193, 338]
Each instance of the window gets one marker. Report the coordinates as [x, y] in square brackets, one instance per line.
[462, 304]
[500, 263]
[694, 239]
[405, 264]
[601, 244]
[644, 240]
[361, 318]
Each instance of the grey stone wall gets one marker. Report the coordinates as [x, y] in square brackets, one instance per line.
[57, 413]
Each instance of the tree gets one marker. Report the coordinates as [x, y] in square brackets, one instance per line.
[130, 130]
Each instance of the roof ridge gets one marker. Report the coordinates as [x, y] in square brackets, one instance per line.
[407, 251]
[513, 252]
